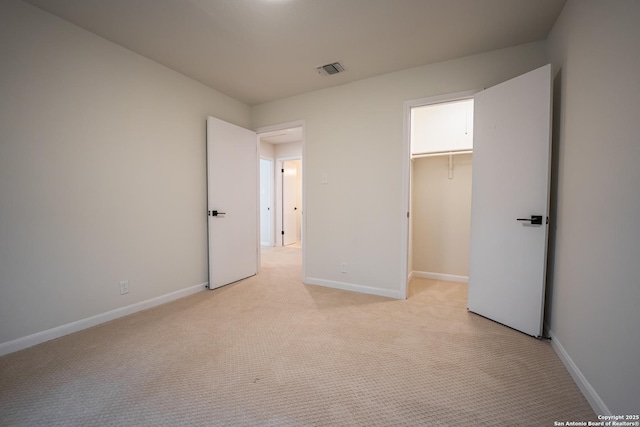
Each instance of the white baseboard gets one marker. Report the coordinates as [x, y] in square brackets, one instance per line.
[440, 276]
[69, 328]
[353, 287]
[597, 404]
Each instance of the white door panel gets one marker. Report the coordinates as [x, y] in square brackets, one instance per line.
[511, 172]
[266, 211]
[289, 198]
[232, 186]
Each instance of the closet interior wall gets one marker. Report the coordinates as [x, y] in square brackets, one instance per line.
[441, 217]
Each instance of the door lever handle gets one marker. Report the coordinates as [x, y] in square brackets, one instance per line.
[535, 219]
[215, 213]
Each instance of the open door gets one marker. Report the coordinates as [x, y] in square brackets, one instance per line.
[289, 202]
[510, 201]
[232, 190]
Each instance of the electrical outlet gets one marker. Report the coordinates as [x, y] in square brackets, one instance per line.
[124, 287]
[343, 267]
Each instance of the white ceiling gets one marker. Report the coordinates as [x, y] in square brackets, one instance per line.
[261, 50]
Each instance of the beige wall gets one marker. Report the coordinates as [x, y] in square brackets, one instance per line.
[441, 215]
[288, 149]
[267, 150]
[102, 174]
[353, 134]
[595, 272]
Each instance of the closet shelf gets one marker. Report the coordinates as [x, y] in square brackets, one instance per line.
[440, 153]
[450, 153]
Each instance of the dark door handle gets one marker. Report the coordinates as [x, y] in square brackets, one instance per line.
[535, 219]
[215, 213]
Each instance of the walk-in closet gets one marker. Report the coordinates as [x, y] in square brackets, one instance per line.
[441, 164]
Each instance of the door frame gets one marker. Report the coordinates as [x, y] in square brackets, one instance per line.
[283, 126]
[405, 208]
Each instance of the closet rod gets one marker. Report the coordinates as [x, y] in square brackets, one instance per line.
[440, 153]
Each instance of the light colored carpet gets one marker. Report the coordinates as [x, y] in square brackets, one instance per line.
[272, 351]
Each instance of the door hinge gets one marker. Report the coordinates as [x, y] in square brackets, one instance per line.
[282, 170]
[283, 232]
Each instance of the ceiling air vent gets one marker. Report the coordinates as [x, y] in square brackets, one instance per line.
[330, 69]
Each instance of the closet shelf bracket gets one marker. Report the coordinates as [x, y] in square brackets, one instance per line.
[450, 153]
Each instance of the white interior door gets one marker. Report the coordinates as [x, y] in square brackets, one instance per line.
[289, 199]
[511, 172]
[232, 186]
[266, 211]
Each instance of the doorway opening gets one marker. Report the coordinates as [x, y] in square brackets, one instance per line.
[439, 158]
[282, 213]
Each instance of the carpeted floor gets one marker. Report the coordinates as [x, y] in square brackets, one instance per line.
[272, 351]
